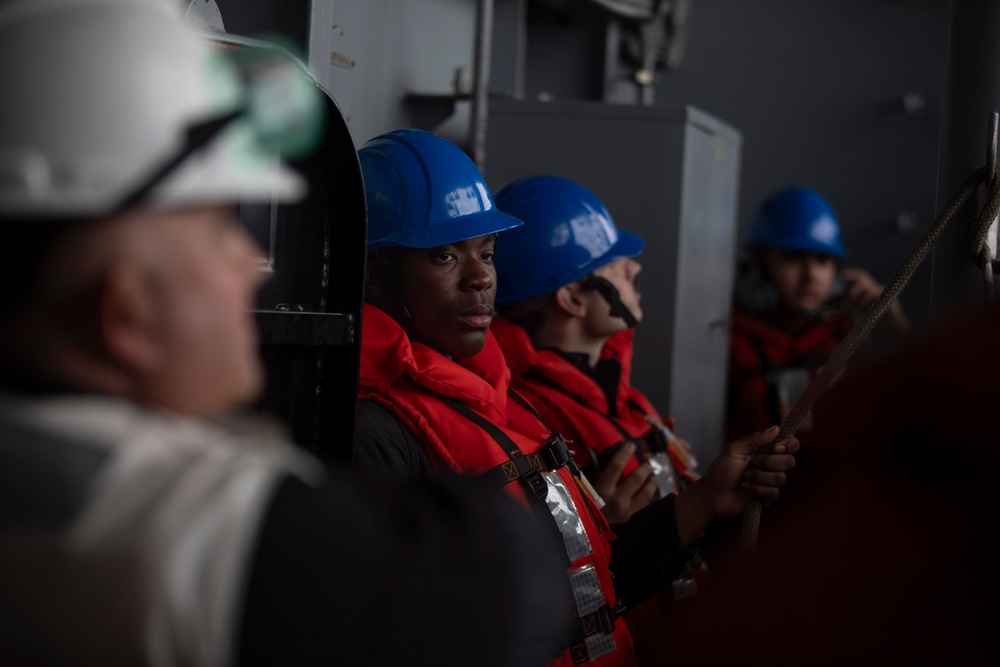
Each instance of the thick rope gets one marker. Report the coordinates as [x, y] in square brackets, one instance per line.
[829, 372]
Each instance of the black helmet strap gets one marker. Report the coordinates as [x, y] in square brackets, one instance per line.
[614, 299]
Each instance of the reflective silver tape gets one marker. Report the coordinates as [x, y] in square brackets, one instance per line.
[663, 471]
[567, 517]
[590, 598]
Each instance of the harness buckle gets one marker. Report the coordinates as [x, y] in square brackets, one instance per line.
[555, 452]
[657, 440]
[534, 479]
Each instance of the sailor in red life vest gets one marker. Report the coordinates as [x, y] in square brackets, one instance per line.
[794, 304]
[567, 280]
[436, 397]
[569, 302]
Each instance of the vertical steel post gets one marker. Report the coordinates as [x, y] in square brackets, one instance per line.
[481, 81]
[971, 95]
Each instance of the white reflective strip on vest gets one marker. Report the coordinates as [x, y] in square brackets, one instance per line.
[663, 472]
[590, 598]
[583, 580]
[567, 517]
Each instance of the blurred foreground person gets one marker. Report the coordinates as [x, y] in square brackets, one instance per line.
[138, 524]
[887, 557]
[438, 398]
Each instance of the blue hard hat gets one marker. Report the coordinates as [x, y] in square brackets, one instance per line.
[797, 218]
[424, 191]
[567, 233]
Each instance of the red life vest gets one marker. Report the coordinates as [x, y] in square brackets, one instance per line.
[572, 402]
[414, 382]
[758, 351]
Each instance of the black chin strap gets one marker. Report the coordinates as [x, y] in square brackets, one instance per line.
[389, 281]
[611, 295]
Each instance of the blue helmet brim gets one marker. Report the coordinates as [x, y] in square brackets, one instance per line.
[461, 229]
[627, 245]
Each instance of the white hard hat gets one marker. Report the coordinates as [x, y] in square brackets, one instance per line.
[107, 101]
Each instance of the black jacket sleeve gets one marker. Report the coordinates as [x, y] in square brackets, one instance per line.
[648, 552]
[383, 446]
[409, 573]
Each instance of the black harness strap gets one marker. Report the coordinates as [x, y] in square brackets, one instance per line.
[600, 621]
[529, 407]
[597, 461]
[656, 439]
[528, 470]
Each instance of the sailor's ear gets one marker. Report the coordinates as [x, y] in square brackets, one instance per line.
[127, 323]
[569, 299]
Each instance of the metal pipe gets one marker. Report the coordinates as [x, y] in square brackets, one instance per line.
[971, 95]
[481, 81]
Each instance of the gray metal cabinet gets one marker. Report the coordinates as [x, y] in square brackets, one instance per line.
[671, 175]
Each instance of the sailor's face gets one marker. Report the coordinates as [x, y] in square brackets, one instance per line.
[202, 290]
[804, 281]
[449, 292]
